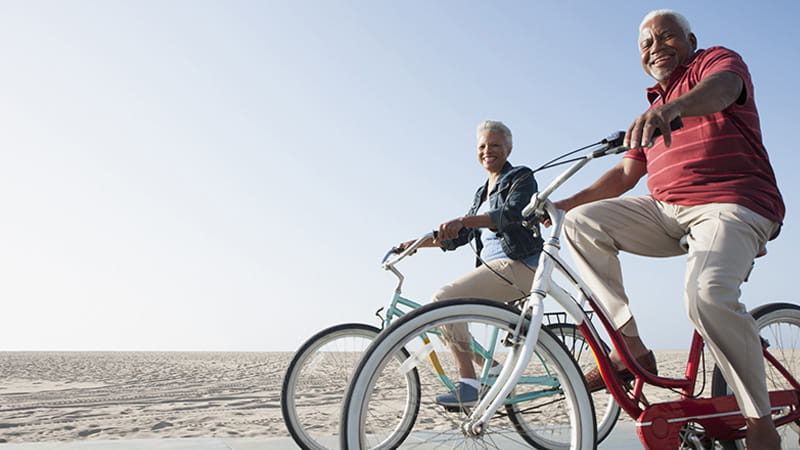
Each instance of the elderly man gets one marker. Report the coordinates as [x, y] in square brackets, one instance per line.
[710, 180]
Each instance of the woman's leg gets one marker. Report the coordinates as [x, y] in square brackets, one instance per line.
[503, 280]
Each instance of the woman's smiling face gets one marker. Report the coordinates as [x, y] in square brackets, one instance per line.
[493, 151]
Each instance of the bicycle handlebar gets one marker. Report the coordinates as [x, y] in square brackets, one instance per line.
[612, 145]
[405, 252]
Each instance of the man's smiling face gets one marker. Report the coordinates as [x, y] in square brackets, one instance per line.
[664, 45]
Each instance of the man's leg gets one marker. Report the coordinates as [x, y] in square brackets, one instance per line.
[724, 240]
[598, 231]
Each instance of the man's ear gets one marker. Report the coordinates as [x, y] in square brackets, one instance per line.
[693, 41]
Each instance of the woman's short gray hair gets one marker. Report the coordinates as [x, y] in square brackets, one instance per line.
[679, 18]
[495, 125]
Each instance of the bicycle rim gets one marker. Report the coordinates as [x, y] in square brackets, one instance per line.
[779, 325]
[550, 401]
[315, 382]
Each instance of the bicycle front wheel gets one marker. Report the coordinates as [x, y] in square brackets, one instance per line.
[550, 403]
[315, 382]
[778, 325]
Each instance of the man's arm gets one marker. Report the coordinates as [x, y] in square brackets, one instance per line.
[620, 179]
[712, 94]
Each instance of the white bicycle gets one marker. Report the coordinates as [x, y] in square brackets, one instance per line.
[553, 409]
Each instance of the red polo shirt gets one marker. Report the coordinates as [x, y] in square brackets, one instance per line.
[718, 158]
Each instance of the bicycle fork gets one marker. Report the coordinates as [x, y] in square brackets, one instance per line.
[518, 359]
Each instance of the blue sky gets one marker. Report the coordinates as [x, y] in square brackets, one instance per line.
[204, 175]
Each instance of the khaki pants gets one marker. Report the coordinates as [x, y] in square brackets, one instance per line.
[723, 241]
[484, 282]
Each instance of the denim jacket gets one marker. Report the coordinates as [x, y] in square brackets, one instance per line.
[510, 195]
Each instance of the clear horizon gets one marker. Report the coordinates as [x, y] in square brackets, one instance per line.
[206, 176]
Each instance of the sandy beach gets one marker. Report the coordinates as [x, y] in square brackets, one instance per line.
[118, 395]
[64, 396]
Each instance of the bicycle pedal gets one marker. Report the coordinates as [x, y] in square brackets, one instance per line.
[457, 409]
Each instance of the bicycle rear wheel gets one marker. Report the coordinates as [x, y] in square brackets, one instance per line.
[550, 403]
[779, 326]
[605, 407]
[315, 382]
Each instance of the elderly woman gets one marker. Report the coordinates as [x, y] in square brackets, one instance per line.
[507, 252]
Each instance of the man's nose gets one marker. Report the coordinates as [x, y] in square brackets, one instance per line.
[658, 44]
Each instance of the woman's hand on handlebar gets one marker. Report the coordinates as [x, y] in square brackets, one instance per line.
[446, 231]
[400, 248]
[449, 230]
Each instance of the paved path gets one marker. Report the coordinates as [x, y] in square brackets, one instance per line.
[622, 438]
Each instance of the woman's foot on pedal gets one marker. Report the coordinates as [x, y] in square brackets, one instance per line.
[462, 395]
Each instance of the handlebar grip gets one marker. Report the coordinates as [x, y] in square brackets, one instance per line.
[615, 140]
[613, 143]
[676, 123]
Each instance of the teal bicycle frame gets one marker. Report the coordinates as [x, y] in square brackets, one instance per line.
[397, 308]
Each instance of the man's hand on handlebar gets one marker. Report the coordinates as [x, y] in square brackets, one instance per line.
[642, 131]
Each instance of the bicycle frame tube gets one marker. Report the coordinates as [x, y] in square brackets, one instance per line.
[518, 359]
[395, 310]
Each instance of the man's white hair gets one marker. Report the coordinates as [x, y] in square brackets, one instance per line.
[495, 125]
[684, 24]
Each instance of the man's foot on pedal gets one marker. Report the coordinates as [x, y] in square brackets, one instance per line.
[462, 395]
[595, 382]
[761, 434]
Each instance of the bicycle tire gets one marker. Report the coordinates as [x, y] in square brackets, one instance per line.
[779, 325]
[606, 409]
[315, 382]
[564, 409]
